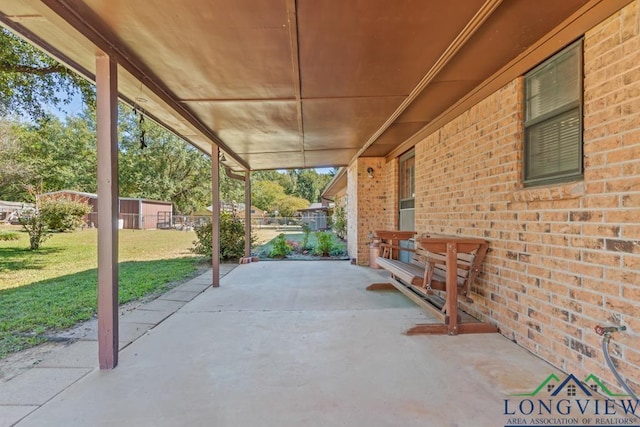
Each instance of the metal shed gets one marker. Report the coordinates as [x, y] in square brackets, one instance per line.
[133, 213]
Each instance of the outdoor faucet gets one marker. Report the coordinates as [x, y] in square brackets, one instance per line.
[607, 330]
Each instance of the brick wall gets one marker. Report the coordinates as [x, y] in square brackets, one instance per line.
[390, 182]
[352, 210]
[563, 258]
[370, 199]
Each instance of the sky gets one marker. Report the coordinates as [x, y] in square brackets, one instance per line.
[72, 109]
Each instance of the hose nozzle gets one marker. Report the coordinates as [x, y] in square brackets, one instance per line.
[606, 330]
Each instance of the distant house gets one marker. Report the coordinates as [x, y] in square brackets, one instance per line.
[134, 213]
[315, 216]
[256, 213]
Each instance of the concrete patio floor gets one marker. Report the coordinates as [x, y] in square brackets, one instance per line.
[280, 344]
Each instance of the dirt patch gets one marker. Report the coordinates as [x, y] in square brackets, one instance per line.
[17, 363]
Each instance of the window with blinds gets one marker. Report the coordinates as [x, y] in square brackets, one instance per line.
[553, 119]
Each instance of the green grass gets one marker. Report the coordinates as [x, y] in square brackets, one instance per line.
[66, 253]
[9, 235]
[55, 288]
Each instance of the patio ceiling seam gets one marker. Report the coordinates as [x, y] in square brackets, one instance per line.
[292, 17]
[69, 15]
[239, 100]
[461, 39]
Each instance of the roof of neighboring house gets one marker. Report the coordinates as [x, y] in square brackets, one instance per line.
[314, 207]
[77, 193]
[161, 202]
[338, 183]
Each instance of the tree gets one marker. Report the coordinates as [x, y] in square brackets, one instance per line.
[46, 154]
[308, 185]
[303, 183]
[288, 206]
[36, 228]
[34, 224]
[230, 189]
[264, 195]
[276, 177]
[14, 173]
[30, 80]
[168, 168]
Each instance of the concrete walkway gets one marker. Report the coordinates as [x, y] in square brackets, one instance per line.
[278, 344]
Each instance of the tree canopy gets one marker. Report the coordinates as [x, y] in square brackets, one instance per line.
[168, 168]
[31, 80]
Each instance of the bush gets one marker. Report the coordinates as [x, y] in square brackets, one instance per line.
[338, 250]
[280, 247]
[305, 239]
[295, 246]
[8, 235]
[325, 243]
[340, 221]
[37, 229]
[63, 214]
[231, 237]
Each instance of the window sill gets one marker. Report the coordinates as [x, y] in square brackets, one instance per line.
[571, 190]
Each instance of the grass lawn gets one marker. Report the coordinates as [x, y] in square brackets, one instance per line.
[55, 288]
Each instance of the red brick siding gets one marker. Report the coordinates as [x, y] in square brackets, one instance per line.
[370, 197]
[564, 257]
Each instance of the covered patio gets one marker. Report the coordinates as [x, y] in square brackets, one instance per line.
[283, 344]
[432, 111]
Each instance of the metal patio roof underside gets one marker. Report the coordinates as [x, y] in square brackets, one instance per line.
[294, 84]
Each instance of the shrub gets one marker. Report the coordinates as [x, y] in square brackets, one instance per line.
[37, 229]
[231, 237]
[325, 243]
[340, 221]
[295, 246]
[305, 239]
[8, 235]
[280, 247]
[338, 250]
[202, 246]
[63, 214]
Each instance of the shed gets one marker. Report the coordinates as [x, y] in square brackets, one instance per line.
[134, 213]
[315, 216]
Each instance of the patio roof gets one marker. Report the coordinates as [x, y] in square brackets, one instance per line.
[296, 84]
